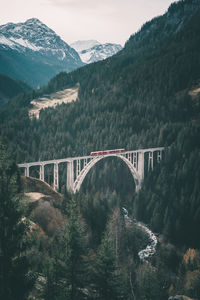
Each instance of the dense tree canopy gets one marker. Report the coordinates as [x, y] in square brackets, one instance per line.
[14, 267]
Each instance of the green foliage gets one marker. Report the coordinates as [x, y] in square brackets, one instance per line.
[108, 281]
[149, 283]
[74, 254]
[96, 210]
[15, 281]
[65, 270]
[10, 88]
[172, 192]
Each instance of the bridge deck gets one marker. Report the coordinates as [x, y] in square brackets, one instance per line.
[69, 159]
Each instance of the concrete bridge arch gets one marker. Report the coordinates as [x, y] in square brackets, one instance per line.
[78, 167]
[79, 180]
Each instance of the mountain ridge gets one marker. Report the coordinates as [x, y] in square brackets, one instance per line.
[34, 47]
[84, 45]
[160, 27]
[92, 51]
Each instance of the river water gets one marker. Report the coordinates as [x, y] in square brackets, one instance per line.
[151, 247]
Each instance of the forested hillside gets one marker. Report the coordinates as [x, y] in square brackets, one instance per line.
[145, 96]
[133, 100]
[9, 88]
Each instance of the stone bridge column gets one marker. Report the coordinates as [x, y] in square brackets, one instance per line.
[78, 167]
[56, 177]
[70, 176]
[26, 173]
[42, 172]
[141, 167]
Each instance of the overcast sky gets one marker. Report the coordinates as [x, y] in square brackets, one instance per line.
[102, 20]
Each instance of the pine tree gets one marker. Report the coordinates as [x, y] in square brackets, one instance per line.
[108, 281]
[75, 249]
[65, 270]
[55, 284]
[149, 283]
[14, 280]
[117, 231]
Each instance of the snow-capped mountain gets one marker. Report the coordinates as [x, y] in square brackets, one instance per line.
[91, 51]
[34, 53]
[84, 45]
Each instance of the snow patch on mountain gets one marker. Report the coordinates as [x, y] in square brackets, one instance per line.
[92, 51]
[83, 45]
[5, 41]
[34, 46]
[25, 43]
[35, 36]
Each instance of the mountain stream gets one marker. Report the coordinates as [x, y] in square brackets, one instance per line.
[151, 247]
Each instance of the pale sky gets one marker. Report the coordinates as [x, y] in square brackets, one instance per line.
[103, 20]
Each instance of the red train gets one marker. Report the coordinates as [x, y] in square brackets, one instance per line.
[104, 152]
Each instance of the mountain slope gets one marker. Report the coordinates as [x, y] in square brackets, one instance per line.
[167, 25]
[92, 51]
[10, 88]
[33, 53]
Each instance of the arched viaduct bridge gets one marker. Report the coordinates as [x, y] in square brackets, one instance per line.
[78, 167]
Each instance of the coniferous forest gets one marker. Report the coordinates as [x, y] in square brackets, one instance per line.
[80, 246]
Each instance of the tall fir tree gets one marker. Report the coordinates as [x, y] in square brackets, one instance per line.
[66, 269]
[108, 281]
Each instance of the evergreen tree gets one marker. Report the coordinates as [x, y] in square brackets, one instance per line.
[55, 285]
[14, 280]
[148, 283]
[75, 249]
[65, 270]
[108, 281]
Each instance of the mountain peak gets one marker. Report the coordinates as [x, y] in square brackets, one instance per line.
[33, 21]
[84, 45]
[33, 40]
[92, 51]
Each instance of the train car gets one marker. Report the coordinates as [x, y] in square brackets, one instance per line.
[105, 152]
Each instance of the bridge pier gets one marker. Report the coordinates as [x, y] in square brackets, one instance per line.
[56, 177]
[42, 172]
[78, 167]
[141, 165]
[70, 176]
[26, 171]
